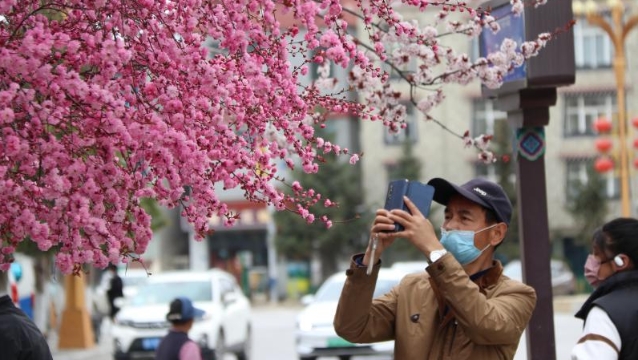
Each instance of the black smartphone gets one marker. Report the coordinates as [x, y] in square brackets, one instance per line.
[419, 193]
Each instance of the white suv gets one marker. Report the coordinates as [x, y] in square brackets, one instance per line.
[315, 334]
[225, 327]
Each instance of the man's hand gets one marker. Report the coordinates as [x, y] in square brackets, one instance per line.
[383, 227]
[417, 228]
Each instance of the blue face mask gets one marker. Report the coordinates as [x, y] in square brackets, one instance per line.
[460, 243]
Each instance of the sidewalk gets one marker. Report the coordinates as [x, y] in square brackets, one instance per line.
[101, 351]
[569, 304]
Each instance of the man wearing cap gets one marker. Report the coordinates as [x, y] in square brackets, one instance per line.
[176, 345]
[461, 307]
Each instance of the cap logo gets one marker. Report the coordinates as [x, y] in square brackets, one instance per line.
[478, 190]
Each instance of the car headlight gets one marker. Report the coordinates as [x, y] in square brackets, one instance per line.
[304, 325]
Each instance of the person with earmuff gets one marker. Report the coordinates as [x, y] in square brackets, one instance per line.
[611, 311]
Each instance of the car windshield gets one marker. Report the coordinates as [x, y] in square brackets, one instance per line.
[165, 292]
[133, 280]
[332, 290]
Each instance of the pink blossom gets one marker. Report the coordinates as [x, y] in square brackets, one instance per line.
[354, 159]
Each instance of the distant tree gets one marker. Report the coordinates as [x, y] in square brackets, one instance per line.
[588, 206]
[408, 166]
[297, 239]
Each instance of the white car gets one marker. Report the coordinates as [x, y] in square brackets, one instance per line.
[315, 334]
[225, 326]
[562, 278]
[410, 267]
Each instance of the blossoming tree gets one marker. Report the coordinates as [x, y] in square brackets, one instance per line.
[105, 103]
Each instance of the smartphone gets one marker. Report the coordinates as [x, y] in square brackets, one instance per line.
[419, 193]
[394, 197]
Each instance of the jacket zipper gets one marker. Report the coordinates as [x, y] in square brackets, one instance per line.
[453, 337]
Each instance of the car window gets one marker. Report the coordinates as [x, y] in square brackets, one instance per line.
[133, 280]
[165, 292]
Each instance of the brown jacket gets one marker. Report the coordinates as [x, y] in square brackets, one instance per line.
[438, 315]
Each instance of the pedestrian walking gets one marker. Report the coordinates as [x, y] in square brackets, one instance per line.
[20, 338]
[115, 290]
[611, 311]
[176, 345]
[462, 307]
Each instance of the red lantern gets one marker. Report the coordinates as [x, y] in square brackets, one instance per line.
[636, 163]
[602, 125]
[634, 121]
[603, 145]
[636, 143]
[603, 164]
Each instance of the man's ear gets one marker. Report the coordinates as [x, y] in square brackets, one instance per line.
[498, 233]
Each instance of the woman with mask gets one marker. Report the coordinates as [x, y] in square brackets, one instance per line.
[461, 307]
[611, 312]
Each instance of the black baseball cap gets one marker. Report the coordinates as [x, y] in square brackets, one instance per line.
[483, 192]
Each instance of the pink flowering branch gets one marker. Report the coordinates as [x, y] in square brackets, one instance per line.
[104, 104]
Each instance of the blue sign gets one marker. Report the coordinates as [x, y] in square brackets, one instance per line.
[512, 27]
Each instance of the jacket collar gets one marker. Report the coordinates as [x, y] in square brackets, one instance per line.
[490, 276]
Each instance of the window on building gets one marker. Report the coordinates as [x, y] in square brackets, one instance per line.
[409, 133]
[487, 120]
[578, 173]
[582, 110]
[592, 47]
[484, 115]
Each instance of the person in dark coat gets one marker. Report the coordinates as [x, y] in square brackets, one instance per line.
[116, 290]
[611, 311]
[20, 338]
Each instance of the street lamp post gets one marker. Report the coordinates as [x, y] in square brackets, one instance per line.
[617, 30]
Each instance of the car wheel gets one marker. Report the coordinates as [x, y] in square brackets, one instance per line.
[245, 352]
[220, 350]
[307, 358]
[344, 357]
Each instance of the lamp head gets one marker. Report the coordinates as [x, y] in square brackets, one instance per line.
[591, 7]
[578, 8]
